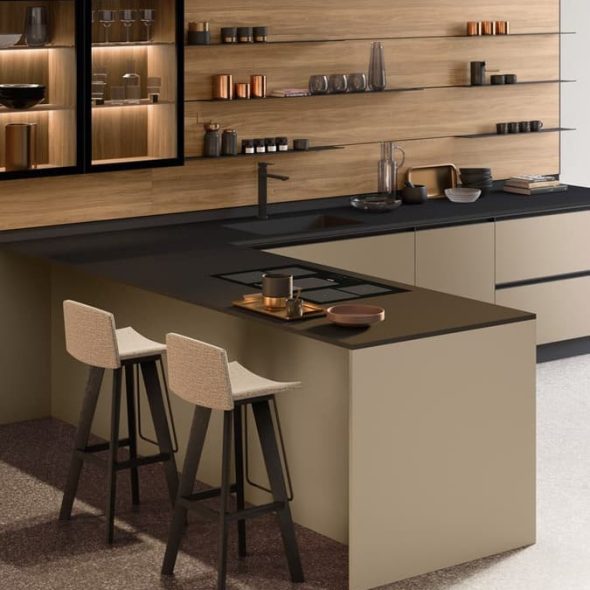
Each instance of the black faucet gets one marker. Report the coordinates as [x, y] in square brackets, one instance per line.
[263, 176]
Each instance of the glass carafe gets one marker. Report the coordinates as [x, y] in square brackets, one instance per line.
[392, 160]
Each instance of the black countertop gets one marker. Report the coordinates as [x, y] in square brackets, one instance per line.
[180, 260]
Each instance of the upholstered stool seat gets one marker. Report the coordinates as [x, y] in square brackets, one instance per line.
[93, 339]
[200, 374]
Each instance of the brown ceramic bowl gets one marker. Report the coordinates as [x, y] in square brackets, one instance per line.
[355, 315]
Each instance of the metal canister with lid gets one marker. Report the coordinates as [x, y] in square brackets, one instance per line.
[212, 148]
[229, 142]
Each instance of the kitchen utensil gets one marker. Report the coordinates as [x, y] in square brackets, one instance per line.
[377, 74]
[258, 85]
[319, 84]
[277, 288]
[375, 203]
[414, 194]
[295, 306]
[20, 146]
[463, 195]
[36, 26]
[478, 73]
[436, 178]
[473, 29]
[524, 126]
[106, 18]
[355, 315]
[338, 83]
[513, 127]
[536, 126]
[9, 40]
[498, 79]
[255, 303]
[357, 82]
[127, 16]
[21, 96]
[147, 16]
[501, 128]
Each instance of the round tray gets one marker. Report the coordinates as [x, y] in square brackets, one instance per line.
[353, 315]
[375, 203]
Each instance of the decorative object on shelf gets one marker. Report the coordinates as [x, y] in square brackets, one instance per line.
[21, 96]
[106, 18]
[243, 91]
[388, 168]
[502, 128]
[502, 27]
[127, 16]
[20, 146]
[355, 315]
[271, 145]
[147, 16]
[117, 95]
[319, 84]
[463, 195]
[289, 92]
[534, 185]
[223, 87]
[282, 144]
[488, 27]
[436, 178]
[277, 288]
[248, 147]
[477, 178]
[536, 126]
[198, 34]
[478, 73]
[414, 194]
[154, 84]
[513, 127]
[212, 140]
[473, 29]
[229, 35]
[357, 82]
[36, 34]
[498, 79]
[245, 35]
[132, 83]
[260, 34]
[260, 146]
[374, 203]
[9, 40]
[511, 78]
[338, 83]
[301, 145]
[258, 85]
[229, 142]
[524, 126]
[377, 74]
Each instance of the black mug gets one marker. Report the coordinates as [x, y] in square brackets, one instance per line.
[277, 288]
[536, 126]
[478, 73]
[498, 79]
[513, 128]
[501, 128]
[524, 127]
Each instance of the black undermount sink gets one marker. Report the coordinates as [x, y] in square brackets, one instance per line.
[293, 225]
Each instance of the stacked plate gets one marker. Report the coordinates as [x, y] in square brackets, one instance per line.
[478, 178]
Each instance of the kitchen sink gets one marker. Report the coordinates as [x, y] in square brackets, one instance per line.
[293, 225]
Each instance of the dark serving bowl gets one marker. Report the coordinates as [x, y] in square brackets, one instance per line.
[21, 96]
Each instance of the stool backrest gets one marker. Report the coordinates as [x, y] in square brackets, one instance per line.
[199, 372]
[90, 335]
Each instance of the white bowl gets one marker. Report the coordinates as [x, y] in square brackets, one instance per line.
[463, 195]
[9, 40]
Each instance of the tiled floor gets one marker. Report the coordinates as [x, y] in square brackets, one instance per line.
[38, 553]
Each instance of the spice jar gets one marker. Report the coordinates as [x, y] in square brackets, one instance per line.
[282, 144]
[248, 147]
[229, 142]
[260, 34]
[245, 35]
[260, 146]
[198, 34]
[229, 35]
[271, 145]
[212, 140]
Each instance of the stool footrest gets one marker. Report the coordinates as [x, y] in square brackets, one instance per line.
[140, 461]
[254, 511]
[100, 447]
[207, 494]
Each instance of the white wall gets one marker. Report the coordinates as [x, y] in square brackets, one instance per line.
[575, 149]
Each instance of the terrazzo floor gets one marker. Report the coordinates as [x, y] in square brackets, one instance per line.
[39, 553]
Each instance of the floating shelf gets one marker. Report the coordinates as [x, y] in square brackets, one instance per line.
[291, 152]
[43, 48]
[120, 44]
[344, 40]
[36, 109]
[144, 102]
[480, 135]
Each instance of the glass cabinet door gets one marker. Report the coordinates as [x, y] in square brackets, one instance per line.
[134, 82]
[38, 88]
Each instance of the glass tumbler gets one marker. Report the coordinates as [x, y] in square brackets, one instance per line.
[318, 84]
[36, 26]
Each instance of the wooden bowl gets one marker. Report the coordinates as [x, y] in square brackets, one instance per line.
[355, 315]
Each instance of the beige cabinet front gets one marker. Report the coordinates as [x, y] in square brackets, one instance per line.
[389, 257]
[457, 260]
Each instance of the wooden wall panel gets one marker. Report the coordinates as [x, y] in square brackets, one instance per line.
[119, 132]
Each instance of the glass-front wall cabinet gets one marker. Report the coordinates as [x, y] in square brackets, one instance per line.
[38, 87]
[134, 85]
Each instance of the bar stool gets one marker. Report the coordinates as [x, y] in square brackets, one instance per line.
[92, 338]
[201, 374]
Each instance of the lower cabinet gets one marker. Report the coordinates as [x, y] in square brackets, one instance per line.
[457, 260]
[389, 257]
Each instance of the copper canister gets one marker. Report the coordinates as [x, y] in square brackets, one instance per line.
[488, 27]
[21, 146]
[502, 27]
[242, 90]
[473, 29]
[258, 85]
[223, 87]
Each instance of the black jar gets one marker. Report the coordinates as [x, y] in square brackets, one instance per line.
[248, 148]
[212, 140]
[282, 144]
[260, 146]
[260, 34]
[245, 35]
[229, 35]
[271, 145]
[229, 142]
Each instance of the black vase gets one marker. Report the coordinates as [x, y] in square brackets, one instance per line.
[36, 26]
[377, 75]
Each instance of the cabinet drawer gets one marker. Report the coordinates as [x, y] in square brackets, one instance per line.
[545, 246]
[389, 257]
[561, 307]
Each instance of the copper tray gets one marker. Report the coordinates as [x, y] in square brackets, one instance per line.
[254, 303]
[435, 178]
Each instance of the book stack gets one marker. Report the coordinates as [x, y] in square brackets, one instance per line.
[289, 92]
[534, 185]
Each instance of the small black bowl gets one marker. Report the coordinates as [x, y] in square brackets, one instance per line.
[21, 96]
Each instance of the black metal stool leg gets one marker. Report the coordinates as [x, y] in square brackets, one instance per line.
[154, 395]
[194, 451]
[113, 449]
[274, 468]
[223, 511]
[95, 377]
[132, 430]
[239, 462]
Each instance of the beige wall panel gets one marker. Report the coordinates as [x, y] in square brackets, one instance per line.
[451, 441]
[25, 347]
[310, 19]
[561, 307]
[388, 257]
[410, 62]
[542, 246]
[457, 260]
